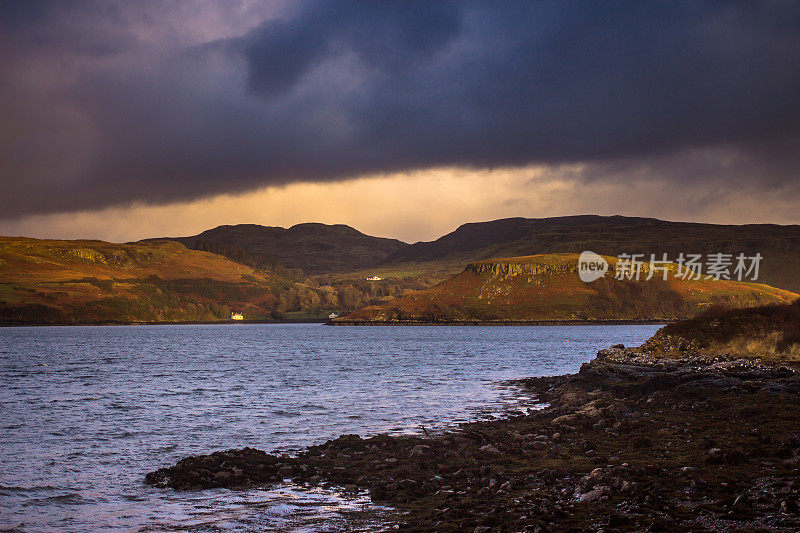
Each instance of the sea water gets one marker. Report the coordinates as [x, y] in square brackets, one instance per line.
[86, 412]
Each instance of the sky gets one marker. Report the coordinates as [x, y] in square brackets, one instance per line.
[126, 120]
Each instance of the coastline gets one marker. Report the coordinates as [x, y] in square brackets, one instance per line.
[629, 443]
[354, 323]
[501, 323]
[192, 323]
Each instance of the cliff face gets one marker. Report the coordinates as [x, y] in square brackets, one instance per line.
[547, 288]
[505, 268]
[96, 252]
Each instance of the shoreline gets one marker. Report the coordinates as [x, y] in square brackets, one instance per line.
[192, 323]
[628, 443]
[504, 323]
[327, 322]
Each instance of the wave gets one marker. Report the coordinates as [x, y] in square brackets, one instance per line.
[36, 488]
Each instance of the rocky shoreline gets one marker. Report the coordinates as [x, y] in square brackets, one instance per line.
[632, 442]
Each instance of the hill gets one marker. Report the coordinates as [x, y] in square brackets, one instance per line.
[50, 281]
[546, 288]
[612, 236]
[312, 248]
[769, 333]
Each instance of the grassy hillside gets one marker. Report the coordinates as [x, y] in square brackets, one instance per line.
[312, 248]
[547, 288]
[49, 281]
[770, 333]
[514, 237]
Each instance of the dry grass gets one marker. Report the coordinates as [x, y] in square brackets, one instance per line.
[769, 332]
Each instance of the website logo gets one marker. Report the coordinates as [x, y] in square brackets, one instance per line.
[591, 266]
[692, 267]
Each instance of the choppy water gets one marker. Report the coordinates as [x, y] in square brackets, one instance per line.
[85, 412]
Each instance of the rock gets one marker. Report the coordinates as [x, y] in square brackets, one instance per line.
[406, 484]
[789, 507]
[565, 420]
[715, 456]
[224, 475]
[594, 494]
[489, 449]
[618, 347]
[741, 502]
[421, 450]
[591, 411]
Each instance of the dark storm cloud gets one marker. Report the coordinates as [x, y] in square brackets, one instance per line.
[391, 37]
[331, 90]
[18, 12]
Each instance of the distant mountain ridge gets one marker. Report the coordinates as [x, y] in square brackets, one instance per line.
[312, 247]
[339, 249]
[256, 268]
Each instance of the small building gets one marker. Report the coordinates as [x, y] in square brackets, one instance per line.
[237, 316]
[374, 278]
[333, 315]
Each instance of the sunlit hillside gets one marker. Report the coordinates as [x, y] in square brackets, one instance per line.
[547, 288]
[93, 281]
